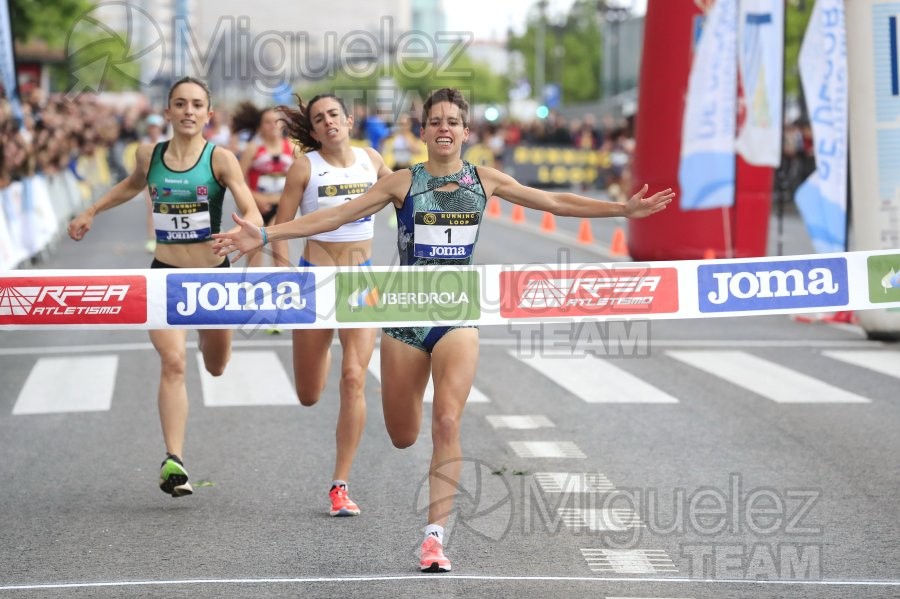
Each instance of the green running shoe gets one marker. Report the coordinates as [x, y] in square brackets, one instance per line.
[173, 478]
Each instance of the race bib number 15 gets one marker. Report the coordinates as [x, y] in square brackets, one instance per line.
[187, 221]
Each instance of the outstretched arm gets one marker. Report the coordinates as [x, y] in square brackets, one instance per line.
[249, 237]
[571, 204]
[120, 193]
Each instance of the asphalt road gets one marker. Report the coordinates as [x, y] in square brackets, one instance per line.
[744, 457]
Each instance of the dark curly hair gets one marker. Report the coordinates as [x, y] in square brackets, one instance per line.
[298, 124]
[246, 117]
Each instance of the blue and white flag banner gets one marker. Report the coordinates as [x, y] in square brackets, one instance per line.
[7, 59]
[707, 170]
[761, 68]
[822, 198]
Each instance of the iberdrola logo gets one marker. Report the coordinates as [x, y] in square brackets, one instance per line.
[363, 298]
[890, 281]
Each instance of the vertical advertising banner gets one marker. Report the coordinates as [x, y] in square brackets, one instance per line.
[7, 59]
[707, 168]
[822, 198]
[761, 62]
[873, 58]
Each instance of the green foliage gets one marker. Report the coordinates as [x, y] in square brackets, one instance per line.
[48, 20]
[415, 79]
[102, 63]
[480, 84]
[796, 19]
[572, 52]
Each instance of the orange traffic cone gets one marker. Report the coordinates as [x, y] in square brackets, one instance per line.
[584, 232]
[548, 223]
[493, 207]
[518, 214]
[618, 247]
[709, 254]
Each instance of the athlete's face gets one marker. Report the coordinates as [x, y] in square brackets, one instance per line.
[444, 131]
[330, 126]
[188, 109]
[269, 128]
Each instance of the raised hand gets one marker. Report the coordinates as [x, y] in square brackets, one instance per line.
[638, 206]
[243, 239]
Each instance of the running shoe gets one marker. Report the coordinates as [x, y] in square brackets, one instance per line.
[433, 558]
[341, 504]
[173, 478]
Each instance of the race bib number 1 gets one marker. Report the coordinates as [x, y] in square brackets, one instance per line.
[188, 221]
[445, 234]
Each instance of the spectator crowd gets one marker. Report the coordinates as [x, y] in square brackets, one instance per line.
[60, 153]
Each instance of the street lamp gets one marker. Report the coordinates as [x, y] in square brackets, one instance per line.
[539, 52]
[614, 13]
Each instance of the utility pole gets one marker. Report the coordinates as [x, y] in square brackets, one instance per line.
[540, 54]
[614, 12]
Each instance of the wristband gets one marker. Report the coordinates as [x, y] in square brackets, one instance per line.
[265, 236]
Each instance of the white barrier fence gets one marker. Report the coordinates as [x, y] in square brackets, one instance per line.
[34, 212]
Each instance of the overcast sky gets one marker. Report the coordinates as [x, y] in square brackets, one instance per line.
[491, 18]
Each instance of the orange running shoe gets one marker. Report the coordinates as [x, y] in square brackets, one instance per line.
[341, 504]
[433, 558]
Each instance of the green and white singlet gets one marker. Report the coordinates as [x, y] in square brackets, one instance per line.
[187, 205]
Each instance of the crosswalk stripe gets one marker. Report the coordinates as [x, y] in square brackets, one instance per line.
[574, 482]
[770, 380]
[475, 396]
[70, 384]
[595, 380]
[252, 378]
[879, 361]
[628, 561]
[601, 519]
[519, 422]
[546, 449]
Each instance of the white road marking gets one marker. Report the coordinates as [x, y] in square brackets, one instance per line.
[880, 361]
[628, 561]
[75, 384]
[475, 396]
[432, 580]
[765, 378]
[252, 378]
[546, 449]
[573, 482]
[601, 519]
[595, 380]
[519, 422]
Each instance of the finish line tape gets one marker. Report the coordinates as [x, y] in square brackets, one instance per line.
[364, 297]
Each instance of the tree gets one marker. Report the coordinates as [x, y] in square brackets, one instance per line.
[413, 80]
[49, 20]
[796, 19]
[572, 51]
[480, 84]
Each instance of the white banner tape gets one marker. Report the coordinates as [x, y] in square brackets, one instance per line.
[375, 296]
